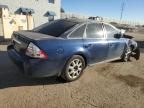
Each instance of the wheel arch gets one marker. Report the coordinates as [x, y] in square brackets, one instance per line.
[85, 59]
[80, 54]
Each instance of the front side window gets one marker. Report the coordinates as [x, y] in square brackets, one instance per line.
[51, 1]
[111, 31]
[78, 33]
[94, 30]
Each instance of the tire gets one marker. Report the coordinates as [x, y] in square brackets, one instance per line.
[126, 57]
[73, 68]
[137, 53]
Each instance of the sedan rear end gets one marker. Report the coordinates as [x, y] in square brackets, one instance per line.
[29, 49]
[29, 57]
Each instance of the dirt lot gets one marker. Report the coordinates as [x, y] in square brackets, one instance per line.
[109, 85]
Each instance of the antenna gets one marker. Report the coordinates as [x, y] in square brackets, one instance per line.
[122, 9]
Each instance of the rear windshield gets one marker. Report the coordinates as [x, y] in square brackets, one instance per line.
[55, 28]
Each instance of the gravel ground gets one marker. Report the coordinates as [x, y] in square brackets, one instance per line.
[110, 85]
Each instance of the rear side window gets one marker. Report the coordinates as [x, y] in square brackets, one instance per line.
[94, 30]
[78, 33]
[55, 28]
[110, 31]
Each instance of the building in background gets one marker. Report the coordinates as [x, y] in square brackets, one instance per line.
[14, 22]
[43, 10]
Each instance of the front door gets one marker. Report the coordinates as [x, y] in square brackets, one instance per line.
[95, 43]
[116, 48]
[116, 45]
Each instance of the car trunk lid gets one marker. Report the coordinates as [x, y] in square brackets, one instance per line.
[21, 39]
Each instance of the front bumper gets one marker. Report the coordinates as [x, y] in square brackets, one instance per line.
[33, 67]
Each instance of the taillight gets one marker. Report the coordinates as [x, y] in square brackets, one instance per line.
[34, 52]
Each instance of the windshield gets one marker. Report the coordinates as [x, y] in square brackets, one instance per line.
[55, 28]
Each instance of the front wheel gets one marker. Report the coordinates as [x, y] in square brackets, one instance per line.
[74, 68]
[127, 54]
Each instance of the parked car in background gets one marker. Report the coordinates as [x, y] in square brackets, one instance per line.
[66, 47]
[126, 27]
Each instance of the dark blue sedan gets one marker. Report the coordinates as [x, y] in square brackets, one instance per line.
[66, 47]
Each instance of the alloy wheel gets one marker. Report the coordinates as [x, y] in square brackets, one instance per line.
[75, 68]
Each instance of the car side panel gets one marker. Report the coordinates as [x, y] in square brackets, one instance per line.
[116, 48]
[97, 49]
[61, 50]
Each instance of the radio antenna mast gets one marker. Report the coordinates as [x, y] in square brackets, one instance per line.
[122, 9]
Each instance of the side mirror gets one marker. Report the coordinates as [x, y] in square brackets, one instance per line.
[118, 36]
[122, 31]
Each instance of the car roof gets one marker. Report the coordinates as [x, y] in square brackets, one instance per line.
[83, 21]
[79, 21]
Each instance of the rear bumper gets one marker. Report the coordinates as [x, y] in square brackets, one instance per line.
[33, 67]
[15, 57]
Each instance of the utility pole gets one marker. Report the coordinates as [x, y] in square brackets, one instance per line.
[122, 9]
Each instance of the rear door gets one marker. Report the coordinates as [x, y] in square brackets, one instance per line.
[116, 46]
[95, 43]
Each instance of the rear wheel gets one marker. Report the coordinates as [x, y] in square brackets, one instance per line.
[73, 69]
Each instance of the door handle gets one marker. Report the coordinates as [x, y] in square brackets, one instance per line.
[88, 45]
[111, 44]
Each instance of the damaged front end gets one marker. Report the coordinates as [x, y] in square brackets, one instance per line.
[136, 53]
